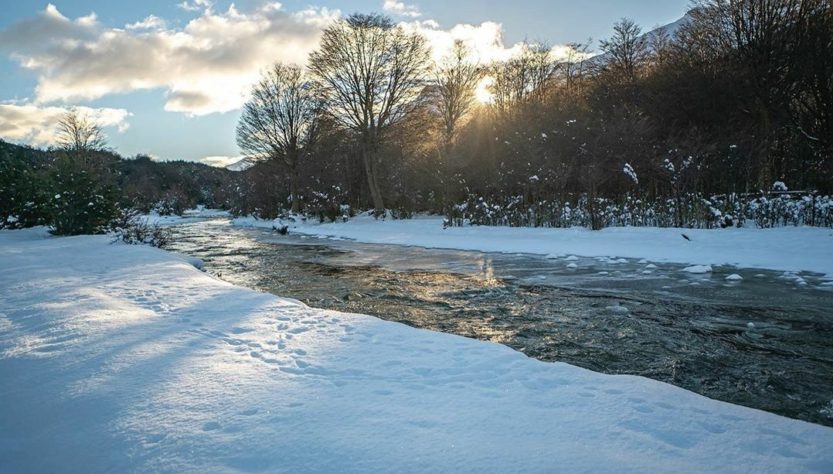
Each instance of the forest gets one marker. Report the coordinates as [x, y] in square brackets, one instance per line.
[711, 121]
[724, 118]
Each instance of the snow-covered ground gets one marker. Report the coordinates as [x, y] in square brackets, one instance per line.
[790, 249]
[127, 359]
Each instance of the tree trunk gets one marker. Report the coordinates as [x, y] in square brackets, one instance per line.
[293, 191]
[369, 159]
[444, 156]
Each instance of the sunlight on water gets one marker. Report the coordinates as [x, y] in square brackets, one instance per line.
[763, 341]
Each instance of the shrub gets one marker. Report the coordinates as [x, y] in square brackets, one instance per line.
[131, 229]
[690, 210]
[84, 201]
[24, 192]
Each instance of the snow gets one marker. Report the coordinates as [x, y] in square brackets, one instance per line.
[241, 165]
[734, 277]
[628, 170]
[698, 269]
[189, 215]
[792, 249]
[125, 358]
[618, 309]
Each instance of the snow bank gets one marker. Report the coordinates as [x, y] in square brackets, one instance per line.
[698, 269]
[127, 359]
[189, 215]
[785, 248]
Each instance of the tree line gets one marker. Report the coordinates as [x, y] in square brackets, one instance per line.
[735, 103]
[725, 119]
[78, 186]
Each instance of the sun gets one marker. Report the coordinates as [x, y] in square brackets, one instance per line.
[482, 92]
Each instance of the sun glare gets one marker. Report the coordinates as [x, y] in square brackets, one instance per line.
[482, 93]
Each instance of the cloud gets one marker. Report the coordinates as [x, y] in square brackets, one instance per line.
[152, 22]
[195, 5]
[207, 66]
[484, 40]
[36, 125]
[401, 9]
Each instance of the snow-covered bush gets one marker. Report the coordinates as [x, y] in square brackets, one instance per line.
[328, 206]
[131, 229]
[85, 202]
[791, 209]
[173, 202]
[690, 211]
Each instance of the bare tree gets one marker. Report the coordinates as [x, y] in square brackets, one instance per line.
[371, 74]
[660, 43]
[79, 135]
[522, 77]
[777, 50]
[626, 51]
[812, 105]
[456, 80]
[280, 121]
[86, 200]
[574, 67]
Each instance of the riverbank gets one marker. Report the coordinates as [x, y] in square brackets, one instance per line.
[127, 358]
[789, 249]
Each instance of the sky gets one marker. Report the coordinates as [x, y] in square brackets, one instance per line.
[167, 78]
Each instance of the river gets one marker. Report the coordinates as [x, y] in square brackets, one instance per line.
[765, 342]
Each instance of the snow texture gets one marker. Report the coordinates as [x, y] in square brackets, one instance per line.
[791, 249]
[698, 269]
[118, 358]
[190, 215]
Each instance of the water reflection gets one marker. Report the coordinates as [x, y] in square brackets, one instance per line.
[764, 343]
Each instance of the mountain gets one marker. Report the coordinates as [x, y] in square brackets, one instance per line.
[670, 30]
[241, 165]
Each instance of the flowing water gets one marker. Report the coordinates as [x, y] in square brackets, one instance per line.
[764, 342]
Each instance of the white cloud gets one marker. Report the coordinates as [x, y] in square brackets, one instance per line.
[195, 5]
[205, 67]
[36, 125]
[89, 20]
[152, 22]
[484, 40]
[395, 7]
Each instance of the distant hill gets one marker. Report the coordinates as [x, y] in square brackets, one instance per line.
[241, 165]
[25, 153]
[142, 181]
